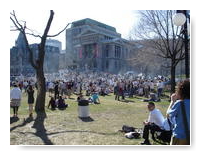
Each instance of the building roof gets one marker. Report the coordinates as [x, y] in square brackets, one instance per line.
[88, 21]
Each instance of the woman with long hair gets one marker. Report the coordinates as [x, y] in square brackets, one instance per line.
[179, 114]
[30, 92]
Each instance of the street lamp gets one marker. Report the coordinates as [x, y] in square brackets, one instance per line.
[180, 19]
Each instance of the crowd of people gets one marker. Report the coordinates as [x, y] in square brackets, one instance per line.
[92, 84]
[61, 86]
[104, 84]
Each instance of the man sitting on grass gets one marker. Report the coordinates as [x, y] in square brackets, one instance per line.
[154, 123]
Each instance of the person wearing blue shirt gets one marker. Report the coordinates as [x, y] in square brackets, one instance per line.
[174, 113]
[95, 98]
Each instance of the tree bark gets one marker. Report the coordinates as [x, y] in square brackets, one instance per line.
[173, 75]
[41, 93]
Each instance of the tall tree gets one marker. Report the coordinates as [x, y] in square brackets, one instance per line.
[157, 29]
[145, 60]
[38, 63]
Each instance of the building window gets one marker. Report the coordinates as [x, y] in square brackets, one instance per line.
[116, 66]
[107, 51]
[76, 31]
[95, 64]
[117, 51]
[88, 51]
[107, 64]
[107, 38]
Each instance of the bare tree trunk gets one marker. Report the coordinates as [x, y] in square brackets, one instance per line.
[173, 74]
[41, 94]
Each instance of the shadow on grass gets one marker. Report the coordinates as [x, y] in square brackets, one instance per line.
[86, 131]
[26, 121]
[13, 119]
[40, 128]
[127, 101]
[86, 119]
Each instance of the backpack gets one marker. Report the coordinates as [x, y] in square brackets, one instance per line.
[127, 129]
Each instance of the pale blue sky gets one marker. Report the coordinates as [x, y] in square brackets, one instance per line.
[122, 20]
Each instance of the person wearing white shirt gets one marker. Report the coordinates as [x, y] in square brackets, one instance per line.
[151, 86]
[160, 87]
[15, 98]
[154, 123]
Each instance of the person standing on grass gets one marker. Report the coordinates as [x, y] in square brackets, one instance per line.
[160, 87]
[15, 97]
[30, 92]
[56, 90]
[179, 114]
[116, 91]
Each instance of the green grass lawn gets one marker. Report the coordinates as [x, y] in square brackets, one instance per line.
[66, 128]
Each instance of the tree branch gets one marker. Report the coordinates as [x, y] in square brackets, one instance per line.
[37, 36]
[59, 32]
[43, 40]
[22, 30]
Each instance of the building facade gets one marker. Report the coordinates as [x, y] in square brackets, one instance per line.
[97, 46]
[54, 43]
[19, 58]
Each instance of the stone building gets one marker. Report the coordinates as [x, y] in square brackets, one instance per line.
[54, 43]
[97, 46]
[19, 58]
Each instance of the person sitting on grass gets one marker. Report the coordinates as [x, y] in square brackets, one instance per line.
[52, 103]
[95, 98]
[61, 103]
[153, 98]
[154, 123]
[80, 97]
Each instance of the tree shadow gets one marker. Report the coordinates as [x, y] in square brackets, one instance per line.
[86, 119]
[26, 121]
[40, 128]
[84, 131]
[127, 101]
[13, 119]
[71, 98]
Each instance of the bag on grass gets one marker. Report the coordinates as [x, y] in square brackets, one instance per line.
[132, 135]
[127, 129]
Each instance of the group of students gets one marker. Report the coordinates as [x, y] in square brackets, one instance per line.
[177, 117]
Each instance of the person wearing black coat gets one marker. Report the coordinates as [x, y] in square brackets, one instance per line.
[56, 91]
[30, 92]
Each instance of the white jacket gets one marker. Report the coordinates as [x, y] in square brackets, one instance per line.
[15, 93]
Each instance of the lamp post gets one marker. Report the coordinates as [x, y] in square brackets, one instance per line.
[180, 19]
